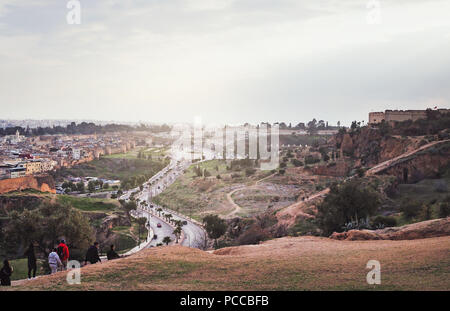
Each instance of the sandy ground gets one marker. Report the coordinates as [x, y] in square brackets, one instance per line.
[302, 263]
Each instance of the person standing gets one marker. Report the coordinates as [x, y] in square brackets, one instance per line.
[5, 273]
[54, 261]
[92, 254]
[31, 255]
[63, 253]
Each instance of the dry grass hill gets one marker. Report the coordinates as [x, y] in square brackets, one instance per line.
[302, 263]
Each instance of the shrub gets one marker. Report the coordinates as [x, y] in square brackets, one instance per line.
[296, 162]
[346, 203]
[444, 208]
[383, 221]
[254, 235]
[303, 227]
[440, 186]
[249, 171]
[410, 209]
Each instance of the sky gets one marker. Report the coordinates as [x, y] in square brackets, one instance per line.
[225, 61]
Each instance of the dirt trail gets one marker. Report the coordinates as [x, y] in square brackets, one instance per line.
[386, 164]
[230, 200]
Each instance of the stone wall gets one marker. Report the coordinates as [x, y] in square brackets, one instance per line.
[40, 183]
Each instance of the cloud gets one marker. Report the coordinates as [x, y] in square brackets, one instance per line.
[227, 60]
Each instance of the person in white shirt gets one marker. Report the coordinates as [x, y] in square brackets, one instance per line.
[54, 261]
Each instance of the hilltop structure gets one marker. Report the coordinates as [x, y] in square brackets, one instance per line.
[399, 115]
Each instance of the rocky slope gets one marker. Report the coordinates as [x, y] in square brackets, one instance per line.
[420, 230]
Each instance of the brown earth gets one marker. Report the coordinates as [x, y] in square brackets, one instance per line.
[420, 230]
[303, 263]
[40, 183]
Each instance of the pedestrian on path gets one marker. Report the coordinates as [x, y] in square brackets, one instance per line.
[53, 261]
[31, 255]
[5, 273]
[63, 253]
[111, 254]
[92, 254]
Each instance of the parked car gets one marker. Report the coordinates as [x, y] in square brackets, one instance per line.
[158, 225]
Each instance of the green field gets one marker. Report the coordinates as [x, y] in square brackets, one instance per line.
[89, 204]
[425, 193]
[131, 171]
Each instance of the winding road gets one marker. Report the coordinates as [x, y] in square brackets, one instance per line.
[193, 234]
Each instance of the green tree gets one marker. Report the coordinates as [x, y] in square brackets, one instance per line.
[46, 225]
[167, 240]
[348, 202]
[215, 227]
[91, 186]
[80, 186]
[128, 207]
[141, 226]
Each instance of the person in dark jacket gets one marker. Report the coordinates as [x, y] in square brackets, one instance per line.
[111, 254]
[31, 255]
[5, 273]
[92, 254]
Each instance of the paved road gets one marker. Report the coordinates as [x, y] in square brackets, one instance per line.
[193, 233]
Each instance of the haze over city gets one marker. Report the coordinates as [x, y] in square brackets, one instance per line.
[225, 60]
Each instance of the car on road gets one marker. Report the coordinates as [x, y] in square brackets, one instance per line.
[158, 225]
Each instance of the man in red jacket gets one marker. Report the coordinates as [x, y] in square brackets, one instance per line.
[63, 253]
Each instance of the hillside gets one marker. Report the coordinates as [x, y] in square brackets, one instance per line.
[303, 263]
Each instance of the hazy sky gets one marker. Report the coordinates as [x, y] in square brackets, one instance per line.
[224, 60]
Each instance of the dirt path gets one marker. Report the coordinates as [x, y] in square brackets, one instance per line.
[386, 164]
[230, 200]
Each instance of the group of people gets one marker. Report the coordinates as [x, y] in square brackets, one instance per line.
[57, 260]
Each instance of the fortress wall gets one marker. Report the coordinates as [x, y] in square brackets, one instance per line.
[40, 183]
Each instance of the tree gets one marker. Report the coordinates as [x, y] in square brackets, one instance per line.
[177, 231]
[312, 127]
[80, 186]
[128, 207]
[91, 186]
[46, 225]
[349, 202]
[141, 225]
[215, 227]
[167, 240]
[159, 210]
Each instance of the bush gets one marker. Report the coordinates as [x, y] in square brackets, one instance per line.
[303, 227]
[345, 204]
[249, 171]
[444, 208]
[410, 209]
[254, 235]
[383, 221]
[440, 186]
[296, 162]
